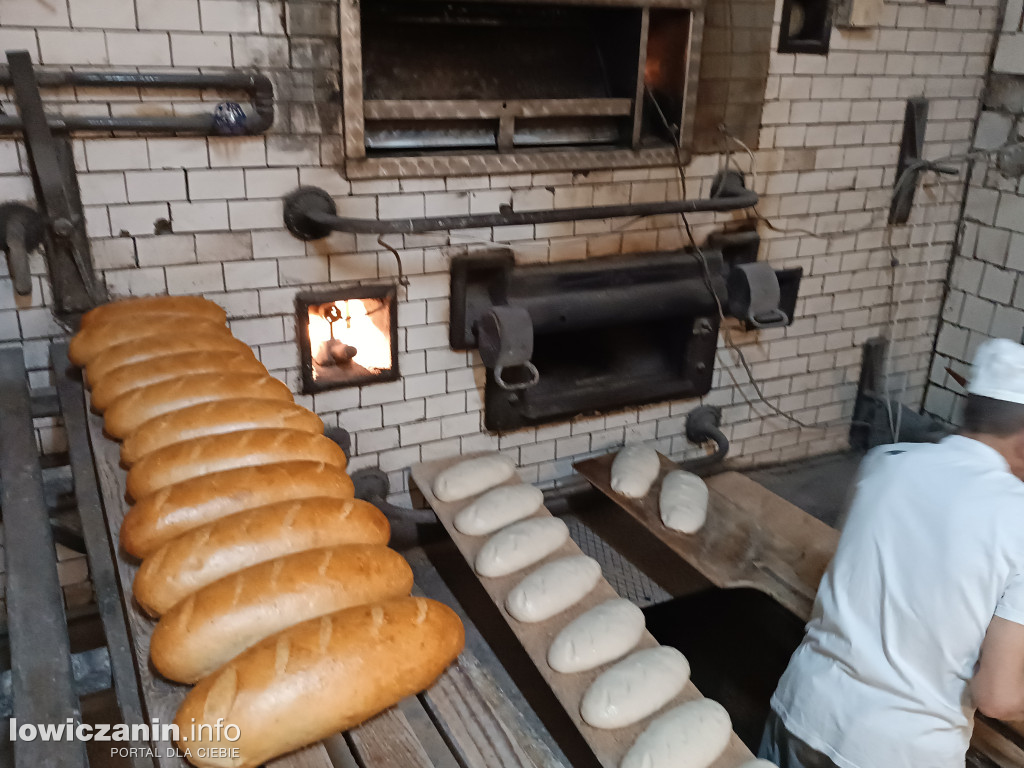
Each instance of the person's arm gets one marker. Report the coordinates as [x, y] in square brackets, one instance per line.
[998, 685]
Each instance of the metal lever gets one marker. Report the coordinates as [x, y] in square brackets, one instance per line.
[21, 229]
[505, 338]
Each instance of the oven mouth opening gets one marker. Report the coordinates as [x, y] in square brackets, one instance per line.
[348, 337]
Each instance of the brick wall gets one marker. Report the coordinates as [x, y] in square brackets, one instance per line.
[825, 164]
[986, 291]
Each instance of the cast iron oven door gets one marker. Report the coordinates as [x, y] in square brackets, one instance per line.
[607, 334]
[347, 337]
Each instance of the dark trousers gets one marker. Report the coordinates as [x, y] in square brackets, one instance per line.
[786, 750]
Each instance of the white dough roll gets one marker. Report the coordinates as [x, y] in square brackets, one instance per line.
[692, 735]
[634, 470]
[473, 476]
[604, 633]
[553, 588]
[497, 508]
[520, 545]
[683, 501]
[638, 686]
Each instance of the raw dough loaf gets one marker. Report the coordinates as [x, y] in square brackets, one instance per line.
[215, 624]
[638, 686]
[320, 677]
[634, 471]
[473, 476]
[693, 735]
[520, 545]
[553, 588]
[497, 508]
[215, 550]
[683, 501]
[602, 634]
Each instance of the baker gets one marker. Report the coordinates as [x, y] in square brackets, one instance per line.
[919, 619]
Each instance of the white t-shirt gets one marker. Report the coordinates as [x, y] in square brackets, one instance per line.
[932, 549]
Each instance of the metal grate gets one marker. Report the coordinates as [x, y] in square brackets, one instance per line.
[625, 578]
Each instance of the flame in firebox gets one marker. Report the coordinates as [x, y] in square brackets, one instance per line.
[354, 328]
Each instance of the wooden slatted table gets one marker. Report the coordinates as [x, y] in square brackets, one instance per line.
[609, 746]
[752, 538]
[452, 724]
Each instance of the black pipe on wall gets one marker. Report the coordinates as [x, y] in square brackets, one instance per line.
[259, 88]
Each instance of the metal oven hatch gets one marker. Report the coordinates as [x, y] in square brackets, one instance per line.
[347, 336]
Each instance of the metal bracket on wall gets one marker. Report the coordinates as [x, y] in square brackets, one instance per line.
[75, 287]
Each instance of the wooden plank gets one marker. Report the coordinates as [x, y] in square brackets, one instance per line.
[388, 741]
[468, 722]
[608, 746]
[161, 698]
[41, 678]
[752, 538]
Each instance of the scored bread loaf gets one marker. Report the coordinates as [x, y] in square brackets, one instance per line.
[131, 410]
[172, 511]
[216, 418]
[190, 306]
[135, 375]
[217, 453]
[215, 550]
[320, 677]
[215, 624]
[156, 346]
[89, 342]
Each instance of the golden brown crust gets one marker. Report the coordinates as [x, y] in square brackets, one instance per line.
[88, 343]
[213, 625]
[190, 306]
[216, 418]
[172, 511]
[218, 453]
[322, 676]
[133, 409]
[122, 380]
[156, 346]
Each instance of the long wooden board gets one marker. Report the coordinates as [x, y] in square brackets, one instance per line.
[752, 538]
[609, 746]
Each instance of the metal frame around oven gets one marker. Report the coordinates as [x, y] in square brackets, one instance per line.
[303, 299]
[355, 110]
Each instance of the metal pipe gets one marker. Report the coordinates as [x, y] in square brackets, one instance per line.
[259, 88]
[310, 213]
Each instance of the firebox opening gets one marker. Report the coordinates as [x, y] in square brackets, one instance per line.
[348, 337]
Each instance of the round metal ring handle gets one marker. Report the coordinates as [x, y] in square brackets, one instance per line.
[514, 386]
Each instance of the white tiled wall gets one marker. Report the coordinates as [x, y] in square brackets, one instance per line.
[826, 165]
[986, 290]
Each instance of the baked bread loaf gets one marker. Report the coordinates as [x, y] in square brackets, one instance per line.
[215, 550]
[217, 453]
[172, 511]
[159, 345]
[128, 377]
[133, 409]
[89, 342]
[212, 626]
[216, 418]
[320, 677]
[189, 306]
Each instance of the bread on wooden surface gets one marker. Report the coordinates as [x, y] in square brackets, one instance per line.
[189, 306]
[215, 550]
[212, 626]
[135, 375]
[172, 511]
[217, 453]
[156, 346]
[216, 418]
[91, 341]
[130, 411]
[320, 677]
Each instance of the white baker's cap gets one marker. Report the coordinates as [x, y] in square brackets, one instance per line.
[999, 371]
